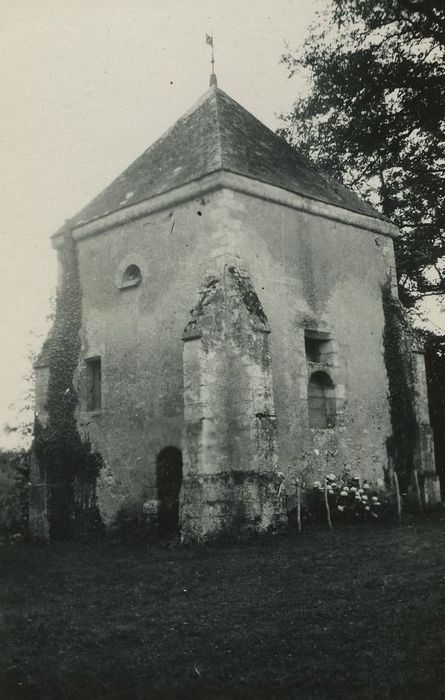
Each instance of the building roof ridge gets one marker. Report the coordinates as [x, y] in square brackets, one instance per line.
[216, 90]
[218, 133]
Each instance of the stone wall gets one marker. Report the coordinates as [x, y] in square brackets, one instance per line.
[230, 428]
[316, 274]
[137, 331]
[311, 273]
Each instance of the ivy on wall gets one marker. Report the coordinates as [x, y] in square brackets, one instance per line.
[435, 376]
[397, 342]
[67, 463]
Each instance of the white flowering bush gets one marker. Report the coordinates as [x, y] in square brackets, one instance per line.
[349, 498]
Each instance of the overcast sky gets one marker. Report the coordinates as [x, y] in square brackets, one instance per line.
[86, 87]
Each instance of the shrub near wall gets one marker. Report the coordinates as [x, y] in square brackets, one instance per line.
[14, 476]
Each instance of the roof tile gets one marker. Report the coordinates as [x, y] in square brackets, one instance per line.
[219, 134]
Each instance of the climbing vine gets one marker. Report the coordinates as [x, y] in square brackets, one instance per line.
[435, 376]
[68, 464]
[397, 341]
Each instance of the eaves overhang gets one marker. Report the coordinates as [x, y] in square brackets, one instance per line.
[219, 180]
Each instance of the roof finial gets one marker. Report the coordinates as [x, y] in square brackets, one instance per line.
[213, 80]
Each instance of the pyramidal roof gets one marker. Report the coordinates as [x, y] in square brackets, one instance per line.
[219, 134]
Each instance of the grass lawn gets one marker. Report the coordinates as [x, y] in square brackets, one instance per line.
[356, 613]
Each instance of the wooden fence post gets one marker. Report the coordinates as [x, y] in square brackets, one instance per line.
[298, 506]
[398, 499]
[326, 502]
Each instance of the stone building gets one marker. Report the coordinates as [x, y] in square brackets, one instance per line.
[231, 331]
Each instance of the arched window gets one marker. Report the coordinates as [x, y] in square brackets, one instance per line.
[131, 277]
[321, 401]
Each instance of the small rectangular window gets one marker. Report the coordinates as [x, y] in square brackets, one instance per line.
[94, 384]
[318, 347]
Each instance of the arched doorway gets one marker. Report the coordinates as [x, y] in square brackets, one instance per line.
[168, 480]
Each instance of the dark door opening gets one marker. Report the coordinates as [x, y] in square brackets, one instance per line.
[168, 479]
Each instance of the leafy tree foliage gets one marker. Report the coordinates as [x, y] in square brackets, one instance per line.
[14, 478]
[374, 118]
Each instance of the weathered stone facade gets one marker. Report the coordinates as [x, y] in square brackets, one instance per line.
[230, 428]
[285, 286]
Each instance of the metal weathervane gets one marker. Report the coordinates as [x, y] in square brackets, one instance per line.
[209, 41]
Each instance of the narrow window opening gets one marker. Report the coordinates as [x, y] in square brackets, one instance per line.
[318, 347]
[94, 384]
